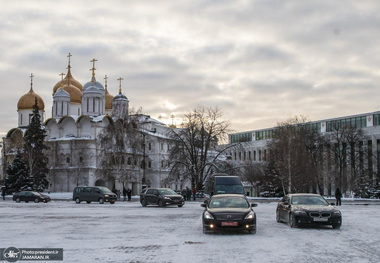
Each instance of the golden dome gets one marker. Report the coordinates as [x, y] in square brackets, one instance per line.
[109, 99]
[65, 81]
[27, 101]
[75, 93]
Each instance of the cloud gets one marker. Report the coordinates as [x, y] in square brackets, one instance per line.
[259, 61]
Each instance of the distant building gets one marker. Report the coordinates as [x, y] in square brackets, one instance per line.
[254, 142]
[79, 114]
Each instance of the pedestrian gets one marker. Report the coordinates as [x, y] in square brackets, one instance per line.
[124, 194]
[129, 193]
[338, 196]
[194, 192]
[118, 194]
[188, 194]
[3, 192]
[183, 193]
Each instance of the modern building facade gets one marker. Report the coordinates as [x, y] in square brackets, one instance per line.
[254, 143]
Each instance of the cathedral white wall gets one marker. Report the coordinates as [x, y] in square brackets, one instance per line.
[86, 129]
[24, 117]
[52, 130]
[68, 128]
[74, 109]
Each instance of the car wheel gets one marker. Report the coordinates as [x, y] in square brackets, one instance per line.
[36, 200]
[77, 200]
[180, 205]
[143, 203]
[161, 203]
[205, 231]
[88, 202]
[112, 202]
[18, 200]
[291, 221]
[101, 201]
[336, 226]
[278, 216]
[253, 231]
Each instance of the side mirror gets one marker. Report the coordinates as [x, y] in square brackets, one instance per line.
[253, 205]
[203, 205]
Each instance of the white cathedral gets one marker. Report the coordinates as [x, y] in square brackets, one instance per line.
[79, 114]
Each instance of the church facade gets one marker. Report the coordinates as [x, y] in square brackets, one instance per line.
[81, 114]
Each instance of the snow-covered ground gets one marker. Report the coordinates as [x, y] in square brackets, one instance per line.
[127, 232]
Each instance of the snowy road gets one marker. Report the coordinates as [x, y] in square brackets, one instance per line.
[127, 232]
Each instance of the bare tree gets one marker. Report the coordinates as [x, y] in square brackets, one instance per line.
[347, 158]
[194, 154]
[121, 146]
[294, 151]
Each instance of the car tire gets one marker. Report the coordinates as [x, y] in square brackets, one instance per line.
[161, 203]
[291, 221]
[180, 205]
[205, 231]
[36, 200]
[278, 216]
[88, 202]
[253, 231]
[18, 200]
[77, 200]
[101, 201]
[143, 203]
[112, 202]
[336, 226]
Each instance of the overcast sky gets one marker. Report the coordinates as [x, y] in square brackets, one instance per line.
[260, 62]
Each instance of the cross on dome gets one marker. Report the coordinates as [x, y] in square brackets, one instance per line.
[120, 80]
[93, 70]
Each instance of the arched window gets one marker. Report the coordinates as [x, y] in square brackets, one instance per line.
[67, 159]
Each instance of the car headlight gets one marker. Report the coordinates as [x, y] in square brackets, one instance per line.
[250, 215]
[105, 195]
[337, 213]
[167, 198]
[207, 215]
[300, 213]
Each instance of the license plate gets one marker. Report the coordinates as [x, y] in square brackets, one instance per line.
[320, 219]
[229, 223]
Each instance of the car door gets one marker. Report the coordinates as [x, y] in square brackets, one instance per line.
[283, 208]
[28, 196]
[149, 196]
[155, 196]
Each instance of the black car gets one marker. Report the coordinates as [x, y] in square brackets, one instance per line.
[307, 209]
[161, 197]
[30, 196]
[228, 212]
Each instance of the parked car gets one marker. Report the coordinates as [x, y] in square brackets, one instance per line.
[307, 209]
[31, 196]
[228, 212]
[161, 197]
[93, 194]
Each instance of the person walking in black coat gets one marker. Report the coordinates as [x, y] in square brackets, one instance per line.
[338, 196]
[129, 193]
[3, 192]
[124, 194]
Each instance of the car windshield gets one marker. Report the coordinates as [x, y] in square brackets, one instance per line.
[167, 192]
[229, 189]
[229, 202]
[309, 200]
[105, 190]
[36, 193]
